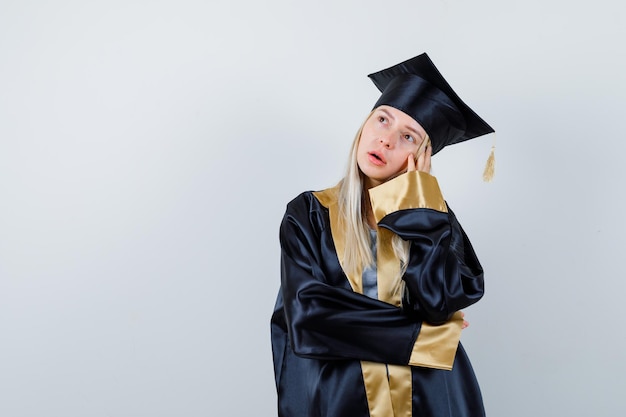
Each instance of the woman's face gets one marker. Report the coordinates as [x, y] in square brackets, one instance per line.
[388, 138]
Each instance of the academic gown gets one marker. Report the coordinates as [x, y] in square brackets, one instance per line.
[339, 353]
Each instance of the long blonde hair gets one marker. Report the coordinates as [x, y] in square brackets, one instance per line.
[351, 199]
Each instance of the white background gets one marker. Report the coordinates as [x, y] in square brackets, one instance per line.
[148, 149]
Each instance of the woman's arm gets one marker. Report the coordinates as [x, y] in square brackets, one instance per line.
[443, 273]
[329, 322]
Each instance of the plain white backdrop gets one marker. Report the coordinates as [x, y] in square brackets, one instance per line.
[148, 149]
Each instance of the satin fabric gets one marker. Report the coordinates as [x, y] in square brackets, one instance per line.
[427, 105]
[321, 329]
[417, 88]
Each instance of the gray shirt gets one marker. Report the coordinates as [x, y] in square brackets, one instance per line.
[370, 282]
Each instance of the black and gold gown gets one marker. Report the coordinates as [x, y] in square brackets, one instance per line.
[339, 353]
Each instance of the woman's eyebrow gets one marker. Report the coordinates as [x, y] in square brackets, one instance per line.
[419, 135]
[388, 114]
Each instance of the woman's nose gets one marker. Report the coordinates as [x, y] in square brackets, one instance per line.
[386, 140]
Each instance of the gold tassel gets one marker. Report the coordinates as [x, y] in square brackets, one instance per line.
[490, 167]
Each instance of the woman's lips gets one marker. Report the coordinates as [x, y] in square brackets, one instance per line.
[376, 158]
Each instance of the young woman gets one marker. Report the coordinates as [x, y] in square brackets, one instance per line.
[375, 271]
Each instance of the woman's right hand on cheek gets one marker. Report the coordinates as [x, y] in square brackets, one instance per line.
[422, 163]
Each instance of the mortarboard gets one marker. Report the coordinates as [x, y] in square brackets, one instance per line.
[418, 89]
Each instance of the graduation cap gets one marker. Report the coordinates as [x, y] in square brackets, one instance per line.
[418, 89]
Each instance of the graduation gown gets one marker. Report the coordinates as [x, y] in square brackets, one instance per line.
[340, 353]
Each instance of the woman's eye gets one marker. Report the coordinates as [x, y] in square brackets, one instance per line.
[382, 119]
[409, 138]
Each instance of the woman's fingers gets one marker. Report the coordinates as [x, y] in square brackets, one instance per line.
[423, 161]
[465, 322]
[411, 163]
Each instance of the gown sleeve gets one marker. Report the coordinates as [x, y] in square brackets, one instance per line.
[443, 274]
[327, 321]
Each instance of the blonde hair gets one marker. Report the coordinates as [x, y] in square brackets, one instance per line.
[351, 199]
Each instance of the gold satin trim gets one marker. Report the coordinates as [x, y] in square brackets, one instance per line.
[398, 380]
[388, 388]
[414, 189]
[328, 198]
[401, 390]
[436, 346]
[377, 391]
[387, 268]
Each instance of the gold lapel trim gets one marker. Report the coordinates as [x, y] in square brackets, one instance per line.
[377, 389]
[388, 388]
[328, 198]
[401, 390]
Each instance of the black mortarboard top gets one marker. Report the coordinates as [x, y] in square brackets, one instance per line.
[418, 89]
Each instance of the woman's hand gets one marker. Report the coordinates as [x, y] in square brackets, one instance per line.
[465, 323]
[422, 163]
